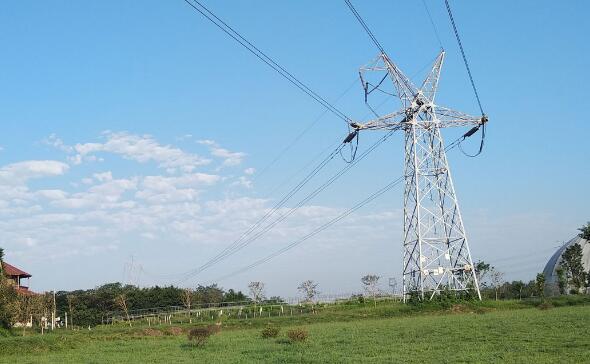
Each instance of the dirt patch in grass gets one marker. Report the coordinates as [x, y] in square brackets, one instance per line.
[174, 331]
[545, 306]
[151, 332]
[463, 308]
[460, 308]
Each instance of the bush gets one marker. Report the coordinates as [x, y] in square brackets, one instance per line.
[199, 335]
[297, 335]
[270, 331]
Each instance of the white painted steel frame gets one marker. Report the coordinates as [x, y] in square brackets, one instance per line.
[436, 255]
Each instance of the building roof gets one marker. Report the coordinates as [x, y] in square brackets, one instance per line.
[11, 270]
[555, 260]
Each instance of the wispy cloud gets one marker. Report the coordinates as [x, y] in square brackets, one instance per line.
[229, 158]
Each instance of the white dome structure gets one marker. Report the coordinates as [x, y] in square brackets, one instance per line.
[551, 279]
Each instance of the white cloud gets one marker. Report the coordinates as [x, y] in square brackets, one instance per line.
[20, 172]
[243, 182]
[160, 189]
[250, 171]
[230, 158]
[106, 210]
[52, 194]
[57, 143]
[139, 148]
[106, 195]
[104, 176]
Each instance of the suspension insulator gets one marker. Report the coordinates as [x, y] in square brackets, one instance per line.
[471, 132]
[350, 137]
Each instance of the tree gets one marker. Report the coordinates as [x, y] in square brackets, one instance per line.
[585, 231]
[256, 292]
[211, 294]
[187, 299]
[571, 261]
[71, 302]
[274, 300]
[309, 290]
[561, 280]
[370, 281]
[497, 278]
[233, 296]
[121, 301]
[2, 262]
[518, 286]
[8, 298]
[540, 285]
[23, 310]
[481, 270]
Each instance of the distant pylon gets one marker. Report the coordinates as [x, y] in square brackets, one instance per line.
[436, 254]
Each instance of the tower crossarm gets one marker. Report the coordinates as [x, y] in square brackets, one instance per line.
[451, 118]
[390, 121]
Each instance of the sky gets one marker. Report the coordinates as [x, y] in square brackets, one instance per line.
[138, 140]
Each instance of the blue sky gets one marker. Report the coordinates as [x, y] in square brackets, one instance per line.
[136, 129]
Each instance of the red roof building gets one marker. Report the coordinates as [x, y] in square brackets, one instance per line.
[17, 275]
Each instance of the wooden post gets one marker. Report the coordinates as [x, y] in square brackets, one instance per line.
[66, 320]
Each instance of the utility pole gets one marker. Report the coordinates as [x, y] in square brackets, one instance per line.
[436, 254]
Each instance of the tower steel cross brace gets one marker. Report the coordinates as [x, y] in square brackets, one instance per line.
[436, 254]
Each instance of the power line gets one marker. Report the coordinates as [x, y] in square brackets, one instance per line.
[336, 142]
[329, 223]
[317, 230]
[235, 35]
[240, 243]
[266, 216]
[432, 23]
[364, 25]
[464, 56]
[301, 134]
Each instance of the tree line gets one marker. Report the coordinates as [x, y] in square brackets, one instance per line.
[90, 307]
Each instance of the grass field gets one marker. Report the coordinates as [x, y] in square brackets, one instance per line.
[489, 332]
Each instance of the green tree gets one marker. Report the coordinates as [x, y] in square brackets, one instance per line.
[234, 296]
[571, 261]
[585, 231]
[8, 297]
[1, 262]
[211, 294]
[540, 284]
[517, 287]
[561, 280]
[481, 270]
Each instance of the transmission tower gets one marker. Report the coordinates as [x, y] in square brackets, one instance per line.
[436, 254]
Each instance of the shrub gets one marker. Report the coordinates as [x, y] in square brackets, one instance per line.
[199, 335]
[297, 335]
[270, 331]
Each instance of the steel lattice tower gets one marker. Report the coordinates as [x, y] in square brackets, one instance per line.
[436, 254]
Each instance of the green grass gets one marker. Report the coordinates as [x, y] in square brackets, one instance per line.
[513, 332]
